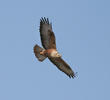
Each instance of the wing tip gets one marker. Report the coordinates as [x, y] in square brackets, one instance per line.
[73, 75]
[44, 20]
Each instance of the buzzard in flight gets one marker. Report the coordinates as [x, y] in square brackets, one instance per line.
[49, 49]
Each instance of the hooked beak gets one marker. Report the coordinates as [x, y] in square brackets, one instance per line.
[58, 55]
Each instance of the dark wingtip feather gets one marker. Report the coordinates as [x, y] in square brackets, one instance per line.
[73, 75]
[44, 20]
[47, 20]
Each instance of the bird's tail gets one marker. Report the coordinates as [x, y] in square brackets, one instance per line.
[37, 51]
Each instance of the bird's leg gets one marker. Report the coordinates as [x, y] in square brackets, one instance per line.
[42, 52]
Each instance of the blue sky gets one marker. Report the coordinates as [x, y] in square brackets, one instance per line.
[82, 29]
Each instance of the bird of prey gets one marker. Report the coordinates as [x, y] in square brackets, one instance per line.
[49, 49]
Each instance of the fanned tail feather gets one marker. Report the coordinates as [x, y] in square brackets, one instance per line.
[37, 50]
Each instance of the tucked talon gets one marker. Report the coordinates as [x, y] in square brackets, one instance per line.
[42, 52]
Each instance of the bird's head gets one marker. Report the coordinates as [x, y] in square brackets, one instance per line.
[55, 54]
[58, 55]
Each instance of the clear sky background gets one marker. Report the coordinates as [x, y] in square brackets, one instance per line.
[82, 29]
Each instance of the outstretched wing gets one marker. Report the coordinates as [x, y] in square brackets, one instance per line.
[62, 65]
[47, 35]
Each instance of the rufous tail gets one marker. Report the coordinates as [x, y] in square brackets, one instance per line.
[37, 51]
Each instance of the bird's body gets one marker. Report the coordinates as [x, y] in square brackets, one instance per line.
[49, 51]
